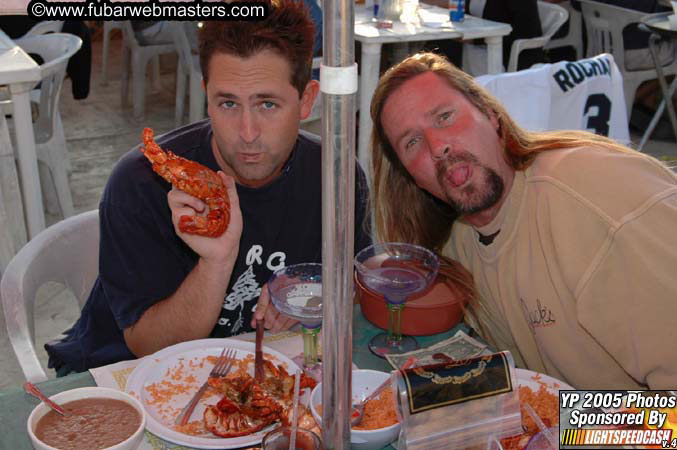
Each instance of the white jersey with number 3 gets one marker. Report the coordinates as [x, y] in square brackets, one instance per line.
[579, 95]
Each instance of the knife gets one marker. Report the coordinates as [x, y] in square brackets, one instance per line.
[258, 356]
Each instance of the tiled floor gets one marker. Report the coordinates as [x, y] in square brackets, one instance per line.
[99, 131]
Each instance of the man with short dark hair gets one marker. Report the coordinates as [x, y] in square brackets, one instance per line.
[158, 286]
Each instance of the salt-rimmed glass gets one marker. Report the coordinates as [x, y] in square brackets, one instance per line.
[296, 291]
[397, 271]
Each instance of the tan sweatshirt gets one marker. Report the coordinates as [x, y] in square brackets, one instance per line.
[581, 281]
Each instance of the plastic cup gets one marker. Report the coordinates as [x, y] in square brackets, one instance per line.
[278, 439]
[540, 442]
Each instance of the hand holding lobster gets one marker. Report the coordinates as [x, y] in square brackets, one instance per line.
[217, 250]
[202, 202]
[194, 179]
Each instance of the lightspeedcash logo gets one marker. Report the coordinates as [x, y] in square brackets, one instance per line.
[153, 10]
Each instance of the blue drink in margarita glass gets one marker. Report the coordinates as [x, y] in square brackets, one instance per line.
[396, 271]
[296, 291]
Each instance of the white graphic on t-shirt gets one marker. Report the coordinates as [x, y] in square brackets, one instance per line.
[280, 256]
[254, 255]
[238, 324]
[245, 288]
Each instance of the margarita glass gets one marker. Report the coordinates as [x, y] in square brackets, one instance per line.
[396, 271]
[296, 291]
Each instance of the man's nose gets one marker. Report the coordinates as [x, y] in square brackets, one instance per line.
[438, 145]
[249, 129]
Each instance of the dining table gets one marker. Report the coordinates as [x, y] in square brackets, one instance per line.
[16, 405]
[19, 73]
[12, 230]
[432, 23]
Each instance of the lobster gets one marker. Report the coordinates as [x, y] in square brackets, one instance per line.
[196, 180]
[248, 406]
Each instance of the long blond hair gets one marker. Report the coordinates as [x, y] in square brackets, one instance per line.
[404, 212]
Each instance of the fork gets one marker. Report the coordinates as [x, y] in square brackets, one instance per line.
[223, 365]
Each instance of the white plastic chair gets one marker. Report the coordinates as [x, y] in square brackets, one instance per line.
[188, 67]
[135, 58]
[66, 253]
[108, 27]
[574, 37]
[55, 49]
[44, 27]
[552, 18]
[604, 24]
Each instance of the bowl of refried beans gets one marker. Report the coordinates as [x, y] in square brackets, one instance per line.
[98, 418]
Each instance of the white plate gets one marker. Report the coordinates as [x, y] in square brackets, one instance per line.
[155, 369]
[553, 385]
[526, 378]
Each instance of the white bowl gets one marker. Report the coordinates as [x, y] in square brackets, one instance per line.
[130, 443]
[364, 382]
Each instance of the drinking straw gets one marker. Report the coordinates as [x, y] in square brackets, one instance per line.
[546, 432]
[295, 411]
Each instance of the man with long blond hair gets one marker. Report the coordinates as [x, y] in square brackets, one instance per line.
[570, 237]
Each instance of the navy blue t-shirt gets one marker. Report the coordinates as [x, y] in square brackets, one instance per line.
[143, 261]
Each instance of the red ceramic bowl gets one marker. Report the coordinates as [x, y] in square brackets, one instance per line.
[433, 311]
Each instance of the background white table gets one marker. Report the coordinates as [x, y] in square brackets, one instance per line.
[373, 38]
[10, 198]
[20, 73]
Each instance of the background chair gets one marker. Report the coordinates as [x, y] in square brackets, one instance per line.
[66, 253]
[108, 27]
[135, 58]
[44, 27]
[188, 68]
[54, 49]
[552, 18]
[605, 24]
[574, 36]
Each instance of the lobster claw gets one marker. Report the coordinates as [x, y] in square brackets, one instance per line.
[194, 179]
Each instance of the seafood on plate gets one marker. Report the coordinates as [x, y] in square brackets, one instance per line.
[196, 180]
[248, 406]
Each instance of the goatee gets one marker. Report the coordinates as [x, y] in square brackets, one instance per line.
[474, 197]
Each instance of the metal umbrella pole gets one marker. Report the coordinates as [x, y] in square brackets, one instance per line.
[338, 85]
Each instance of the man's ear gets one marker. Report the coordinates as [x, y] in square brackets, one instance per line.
[308, 98]
[494, 120]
